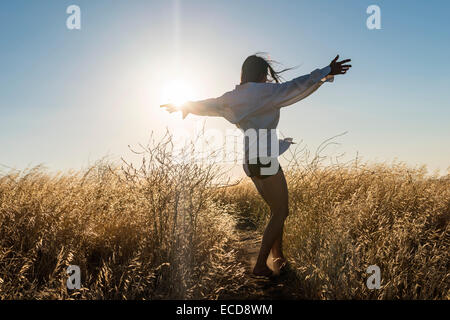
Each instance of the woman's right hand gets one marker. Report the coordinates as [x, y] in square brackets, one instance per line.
[170, 107]
[339, 67]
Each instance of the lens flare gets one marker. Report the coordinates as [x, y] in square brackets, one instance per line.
[177, 92]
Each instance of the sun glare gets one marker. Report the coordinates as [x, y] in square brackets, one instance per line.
[177, 92]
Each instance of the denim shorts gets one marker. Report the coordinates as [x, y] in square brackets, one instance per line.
[262, 167]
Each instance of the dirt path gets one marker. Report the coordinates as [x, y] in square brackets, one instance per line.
[283, 287]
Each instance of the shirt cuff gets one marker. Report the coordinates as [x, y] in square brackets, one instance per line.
[321, 75]
[326, 77]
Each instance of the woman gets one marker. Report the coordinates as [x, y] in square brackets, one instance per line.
[254, 107]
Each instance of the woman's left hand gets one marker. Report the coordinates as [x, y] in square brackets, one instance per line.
[339, 67]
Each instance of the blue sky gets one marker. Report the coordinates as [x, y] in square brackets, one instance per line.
[68, 98]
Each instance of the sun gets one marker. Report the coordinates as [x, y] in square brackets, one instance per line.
[177, 92]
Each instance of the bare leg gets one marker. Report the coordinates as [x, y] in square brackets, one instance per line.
[275, 193]
[277, 249]
[278, 259]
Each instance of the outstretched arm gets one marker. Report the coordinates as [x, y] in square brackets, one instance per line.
[290, 92]
[209, 107]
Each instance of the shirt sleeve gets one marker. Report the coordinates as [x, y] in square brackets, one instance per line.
[212, 107]
[290, 92]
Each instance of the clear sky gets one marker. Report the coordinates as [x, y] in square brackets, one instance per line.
[70, 97]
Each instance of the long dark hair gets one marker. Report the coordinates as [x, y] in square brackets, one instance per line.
[256, 67]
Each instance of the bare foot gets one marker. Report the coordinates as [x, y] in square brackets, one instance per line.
[264, 271]
[278, 264]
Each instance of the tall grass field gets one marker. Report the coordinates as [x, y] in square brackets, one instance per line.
[167, 230]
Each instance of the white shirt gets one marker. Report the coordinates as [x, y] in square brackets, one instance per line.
[257, 106]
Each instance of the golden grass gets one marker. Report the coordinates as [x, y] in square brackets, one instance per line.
[164, 230]
[151, 232]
